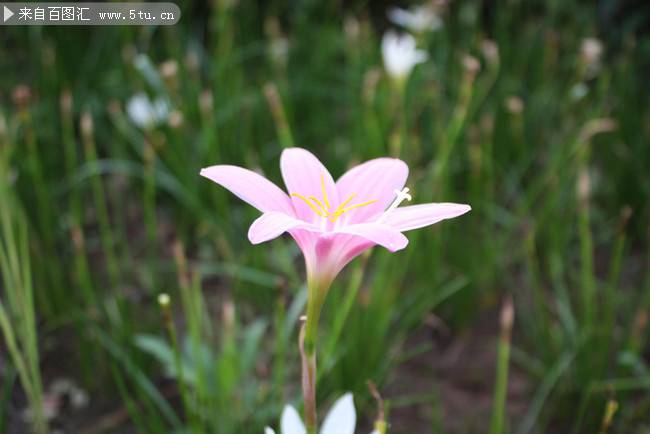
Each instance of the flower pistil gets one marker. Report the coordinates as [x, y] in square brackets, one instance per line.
[400, 196]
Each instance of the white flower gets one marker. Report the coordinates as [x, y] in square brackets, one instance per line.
[591, 52]
[417, 19]
[592, 49]
[341, 419]
[578, 91]
[400, 54]
[146, 113]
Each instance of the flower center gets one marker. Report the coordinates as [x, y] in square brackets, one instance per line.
[324, 209]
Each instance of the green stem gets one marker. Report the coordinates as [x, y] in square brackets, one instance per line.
[503, 357]
[308, 384]
[279, 115]
[308, 340]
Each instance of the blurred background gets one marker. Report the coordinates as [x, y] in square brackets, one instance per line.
[534, 112]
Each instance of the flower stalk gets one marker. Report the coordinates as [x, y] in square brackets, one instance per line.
[308, 383]
[317, 289]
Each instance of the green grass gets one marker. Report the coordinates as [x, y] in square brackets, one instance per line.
[17, 313]
[552, 157]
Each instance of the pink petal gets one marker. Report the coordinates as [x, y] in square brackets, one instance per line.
[302, 173]
[327, 253]
[273, 224]
[250, 187]
[377, 233]
[413, 217]
[373, 180]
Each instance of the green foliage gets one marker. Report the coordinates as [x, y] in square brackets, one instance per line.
[17, 313]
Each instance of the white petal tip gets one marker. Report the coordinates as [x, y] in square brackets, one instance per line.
[395, 247]
[252, 236]
[268, 430]
[457, 209]
[255, 241]
[290, 422]
[341, 418]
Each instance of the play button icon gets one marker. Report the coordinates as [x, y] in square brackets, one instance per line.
[7, 14]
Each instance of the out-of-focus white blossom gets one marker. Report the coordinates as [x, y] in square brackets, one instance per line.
[591, 49]
[351, 27]
[279, 50]
[146, 113]
[578, 91]
[169, 69]
[341, 419]
[417, 19]
[400, 54]
[514, 104]
[471, 64]
[490, 51]
[591, 52]
[279, 44]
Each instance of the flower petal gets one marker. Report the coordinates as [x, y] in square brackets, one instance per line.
[378, 233]
[273, 224]
[250, 187]
[290, 422]
[302, 173]
[342, 418]
[373, 180]
[268, 430]
[400, 54]
[417, 216]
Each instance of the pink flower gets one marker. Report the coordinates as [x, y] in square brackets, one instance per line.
[332, 222]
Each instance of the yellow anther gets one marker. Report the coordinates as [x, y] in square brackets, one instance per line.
[352, 196]
[311, 205]
[319, 203]
[323, 208]
[322, 184]
[341, 210]
[357, 205]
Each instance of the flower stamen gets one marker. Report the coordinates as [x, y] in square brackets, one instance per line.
[311, 205]
[322, 184]
[357, 205]
[352, 196]
[324, 209]
[319, 203]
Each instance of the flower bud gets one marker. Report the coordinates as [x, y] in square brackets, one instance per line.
[175, 119]
[86, 125]
[164, 300]
[169, 69]
[490, 51]
[22, 96]
[206, 102]
[471, 64]
[514, 104]
[65, 102]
